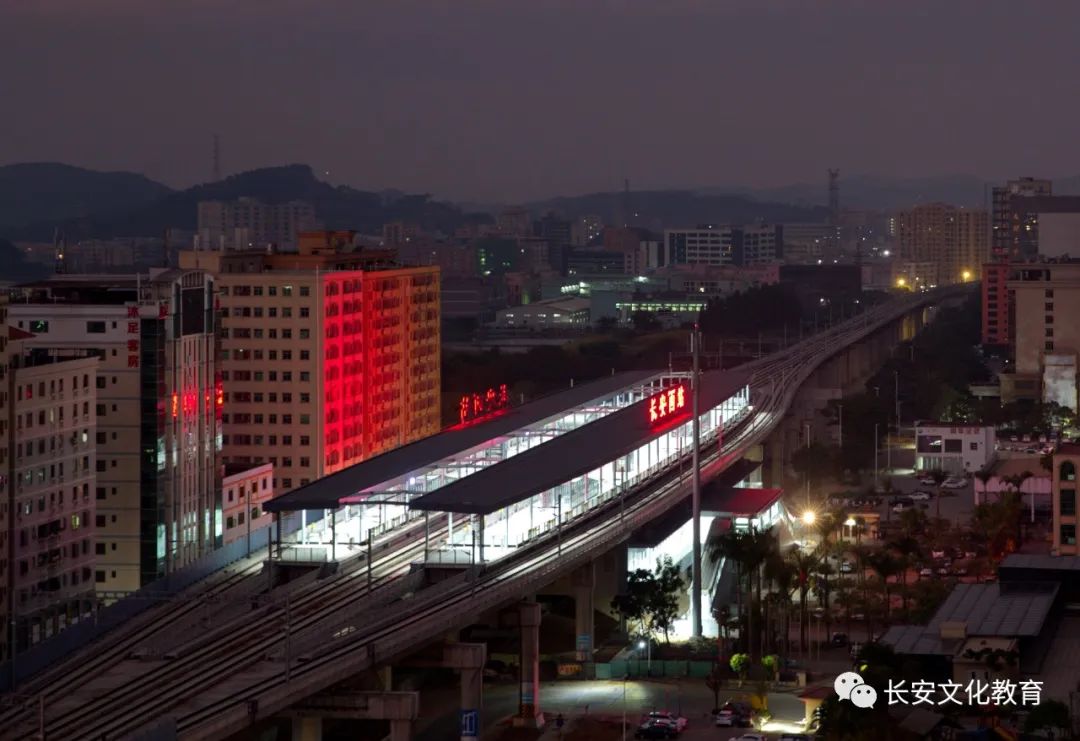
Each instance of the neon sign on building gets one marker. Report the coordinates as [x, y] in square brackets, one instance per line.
[666, 404]
[472, 407]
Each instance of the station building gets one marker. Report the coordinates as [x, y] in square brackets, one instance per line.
[506, 475]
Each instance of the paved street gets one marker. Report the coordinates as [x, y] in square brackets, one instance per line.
[576, 700]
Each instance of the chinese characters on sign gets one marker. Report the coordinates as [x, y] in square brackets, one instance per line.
[472, 407]
[666, 403]
[133, 341]
[975, 692]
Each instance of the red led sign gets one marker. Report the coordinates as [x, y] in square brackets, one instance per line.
[472, 407]
[666, 404]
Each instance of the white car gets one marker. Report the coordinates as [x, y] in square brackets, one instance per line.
[667, 718]
[753, 737]
[920, 496]
[926, 481]
[954, 483]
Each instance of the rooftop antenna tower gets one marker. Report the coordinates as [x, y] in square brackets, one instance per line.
[217, 160]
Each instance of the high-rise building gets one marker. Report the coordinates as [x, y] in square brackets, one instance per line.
[1063, 491]
[995, 304]
[586, 230]
[954, 240]
[52, 504]
[1005, 234]
[158, 487]
[328, 357]
[724, 245]
[1045, 336]
[251, 224]
[1044, 226]
[514, 222]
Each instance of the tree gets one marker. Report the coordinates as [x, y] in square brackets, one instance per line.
[644, 321]
[740, 664]
[939, 477]
[1049, 714]
[749, 551]
[983, 475]
[771, 663]
[651, 600]
[804, 564]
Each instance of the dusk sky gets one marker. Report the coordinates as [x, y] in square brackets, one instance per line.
[519, 99]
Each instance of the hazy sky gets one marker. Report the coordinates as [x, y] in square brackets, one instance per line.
[515, 99]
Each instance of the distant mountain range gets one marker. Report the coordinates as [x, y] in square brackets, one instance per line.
[37, 198]
[148, 211]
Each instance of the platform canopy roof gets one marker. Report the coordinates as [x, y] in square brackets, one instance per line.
[568, 456]
[327, 492]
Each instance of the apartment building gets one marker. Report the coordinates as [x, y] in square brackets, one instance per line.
[53, 401]
[328, 357]
[1008, 236]
[1063, 491]
[955, 240]
[248, 223]
[1044, 334]
[995, 304]
[246, 490]
[158, 407]
[724, 245]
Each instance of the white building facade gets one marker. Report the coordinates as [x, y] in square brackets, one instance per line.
[956, 449]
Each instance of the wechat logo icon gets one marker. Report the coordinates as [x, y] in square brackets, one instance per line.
[850, 686]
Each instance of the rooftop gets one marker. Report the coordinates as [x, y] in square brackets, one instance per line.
[570, 455]
[996, 609]
[1042, 561]
[327, 492]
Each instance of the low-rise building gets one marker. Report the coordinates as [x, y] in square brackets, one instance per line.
[953, 448]
[1063, 489]
[547, 314]
[245, 491]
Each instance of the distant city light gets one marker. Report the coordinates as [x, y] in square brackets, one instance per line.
[885, 253]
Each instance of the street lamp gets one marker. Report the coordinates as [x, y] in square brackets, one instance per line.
[808, 517]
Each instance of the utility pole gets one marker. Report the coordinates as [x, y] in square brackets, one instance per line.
[695, 592]
[875, 456]
[807, 476]
[840, 409]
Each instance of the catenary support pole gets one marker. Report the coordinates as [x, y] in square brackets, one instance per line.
[695, 595]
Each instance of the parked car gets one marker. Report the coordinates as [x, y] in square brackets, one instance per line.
[846, 567]
[902, 507]
[753, 737]
[954, 483]
[921, 496]
[656, 731]
[926, 571]
[665, 717]
[943, 570]
[731, 719]
[794, 737]
[927, 481]
[960, 571]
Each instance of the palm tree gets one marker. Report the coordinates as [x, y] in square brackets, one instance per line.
[939, 477]
[908, 551]
[804, 565]
[885, 565]
[825, 571]
[780, 575]
[748, 551]
[983, 475]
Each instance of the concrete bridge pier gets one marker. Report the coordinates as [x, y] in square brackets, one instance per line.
[469, 659]
[584, 580]
[399, 708]
[529, 713]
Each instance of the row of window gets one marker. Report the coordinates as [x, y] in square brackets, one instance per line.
[258, 290]
[286, 419]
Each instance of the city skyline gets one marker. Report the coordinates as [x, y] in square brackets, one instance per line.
[516, 101]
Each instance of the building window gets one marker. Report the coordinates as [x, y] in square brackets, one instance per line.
[1067, 500]
[1067, 471]
[1049, 346]
[1068, 534]
[95, 327]
[974, 446]
[1049, 331]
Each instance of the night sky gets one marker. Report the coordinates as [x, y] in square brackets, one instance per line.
[517, 99]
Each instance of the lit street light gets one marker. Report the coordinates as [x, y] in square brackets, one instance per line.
[808, 517]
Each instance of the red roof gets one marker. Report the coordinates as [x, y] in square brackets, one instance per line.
[743, 502]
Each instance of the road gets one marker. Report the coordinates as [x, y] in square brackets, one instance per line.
[608, 700]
